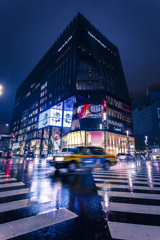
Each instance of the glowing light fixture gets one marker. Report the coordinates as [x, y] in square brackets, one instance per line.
[1, 89]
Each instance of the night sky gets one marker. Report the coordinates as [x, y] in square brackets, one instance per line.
[28, 28]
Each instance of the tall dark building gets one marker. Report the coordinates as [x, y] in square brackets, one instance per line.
[76, 95]
[146, 123]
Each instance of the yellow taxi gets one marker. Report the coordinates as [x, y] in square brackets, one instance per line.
[84, 157]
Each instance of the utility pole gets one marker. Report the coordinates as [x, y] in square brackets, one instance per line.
[128, 147]
[105, 121]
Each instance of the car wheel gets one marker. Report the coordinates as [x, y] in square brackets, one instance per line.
[106, 165]
[72, 167]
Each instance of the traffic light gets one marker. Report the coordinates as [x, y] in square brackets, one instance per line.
[127, 141]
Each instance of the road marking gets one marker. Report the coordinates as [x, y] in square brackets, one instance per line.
[134, 208]
[126, 177]
[30, 224]
[4, 207]
[8, 179]
[133, 231]
[125, 181]
[2, 176]
[11, 185]
[129, 195]
[14, 192]
[109, 186]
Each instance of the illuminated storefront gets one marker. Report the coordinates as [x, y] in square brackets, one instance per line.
[115, 142]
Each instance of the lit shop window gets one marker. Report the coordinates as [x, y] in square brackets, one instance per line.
[37, 85]
[43, 100]
[33, 85]
[44, 86]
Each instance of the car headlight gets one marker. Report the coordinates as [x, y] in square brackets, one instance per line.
[58, 159]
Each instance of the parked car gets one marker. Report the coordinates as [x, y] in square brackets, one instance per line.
[83, 157]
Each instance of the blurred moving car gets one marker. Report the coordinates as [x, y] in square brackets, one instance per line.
[29, 155]
[7, 155]
[43, 155]
[83, 157]
[157, 157]
[122, 156]
[130, 157]
[125, 157]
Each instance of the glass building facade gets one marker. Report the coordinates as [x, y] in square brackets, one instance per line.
[76, 94]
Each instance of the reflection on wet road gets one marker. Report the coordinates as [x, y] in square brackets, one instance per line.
[37, 202]
[130, 197]
[69, 203]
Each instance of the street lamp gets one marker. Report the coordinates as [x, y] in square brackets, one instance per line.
[128, 149]
[1, 89]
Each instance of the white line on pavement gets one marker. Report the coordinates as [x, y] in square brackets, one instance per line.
[30, 224]
[14, 192]
[11, 185]
[133, 231]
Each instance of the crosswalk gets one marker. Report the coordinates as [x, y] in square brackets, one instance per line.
[21, 214]
[131, 202]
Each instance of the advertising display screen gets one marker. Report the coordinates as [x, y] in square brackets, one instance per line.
[67, 118]
[45, 115]
[43, 123]
[56, 121]
[53, 116]
[68, 104]
[90, 111]
[68, 111]
[58, 106]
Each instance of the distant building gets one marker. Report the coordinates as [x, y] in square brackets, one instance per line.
[146, 122]
[4, 136]
[153, 87]
[62, 102]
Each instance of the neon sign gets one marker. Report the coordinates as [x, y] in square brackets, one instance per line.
[97, 39]
[64, 44]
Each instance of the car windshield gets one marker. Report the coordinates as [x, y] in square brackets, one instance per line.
[76, 150]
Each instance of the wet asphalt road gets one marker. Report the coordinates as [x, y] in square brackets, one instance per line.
[36, 202]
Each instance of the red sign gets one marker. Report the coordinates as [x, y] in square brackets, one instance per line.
[90, 111]
[105, 104]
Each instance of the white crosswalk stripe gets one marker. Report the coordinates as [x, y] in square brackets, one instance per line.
[11, 185]
[133, 231]
[9, 179]
[121, 197]
[34, 223]
[27, 224]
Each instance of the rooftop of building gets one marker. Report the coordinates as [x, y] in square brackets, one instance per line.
[146, 101]
[79, 23]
